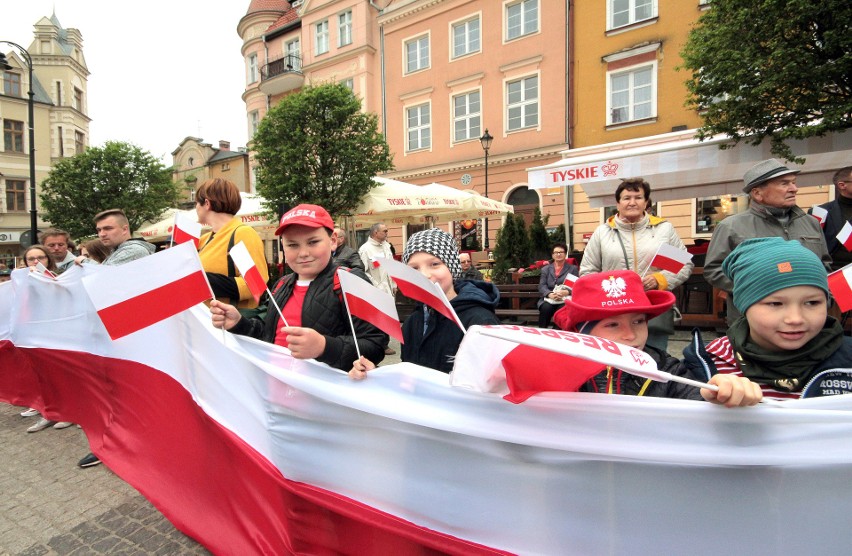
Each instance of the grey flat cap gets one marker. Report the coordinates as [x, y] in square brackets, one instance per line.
[765, 171]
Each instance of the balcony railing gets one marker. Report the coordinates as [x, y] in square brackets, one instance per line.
[282, 75]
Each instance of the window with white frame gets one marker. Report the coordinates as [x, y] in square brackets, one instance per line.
[521, 18]
[252, 69]
[294, 54]
[254, 121]
[417, 54]
[627, 12]
[419, 127]
[321, 37]
[632, 94]
[344, 28]
[522, 103]
[466, 37]
[466, 116]
[349, 84]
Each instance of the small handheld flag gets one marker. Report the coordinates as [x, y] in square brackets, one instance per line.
[369, 303]
[185, 229]
[670, 258]
[245, 264]
[845, 236]
[820, 214]
[416, 286]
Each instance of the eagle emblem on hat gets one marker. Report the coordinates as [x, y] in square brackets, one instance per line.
[614, 286]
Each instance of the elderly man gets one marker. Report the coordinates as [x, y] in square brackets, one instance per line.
[56, 241]
[375, 248]
[468, 271]
[839, 213]
[772, 212]
[344, 255]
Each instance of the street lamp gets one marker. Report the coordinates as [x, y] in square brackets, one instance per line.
[4, 65]
[485, 141]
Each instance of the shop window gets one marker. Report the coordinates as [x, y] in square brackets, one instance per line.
[709, 211]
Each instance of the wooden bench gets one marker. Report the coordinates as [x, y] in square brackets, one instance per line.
[518, 303]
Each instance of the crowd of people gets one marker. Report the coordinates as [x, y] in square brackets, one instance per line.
[771, 260]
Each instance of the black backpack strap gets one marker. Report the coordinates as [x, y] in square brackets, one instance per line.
[232, 273]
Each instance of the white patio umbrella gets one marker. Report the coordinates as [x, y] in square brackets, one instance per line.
[251, 213]
[397, 202]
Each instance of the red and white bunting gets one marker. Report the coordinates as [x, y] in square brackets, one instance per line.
[369, 303]
[249, 271]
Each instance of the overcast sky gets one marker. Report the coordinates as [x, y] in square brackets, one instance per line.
[159, 70]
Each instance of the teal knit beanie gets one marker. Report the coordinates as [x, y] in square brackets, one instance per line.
[762, 266]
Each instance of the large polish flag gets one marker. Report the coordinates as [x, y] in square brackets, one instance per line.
[140, 293]
[369, 303]
[669, 257]
[416, 286]
[186, 229]
[845, 236]
[840, 285]
[245, 264]
[275, 455]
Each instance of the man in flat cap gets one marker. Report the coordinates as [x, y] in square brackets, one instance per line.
[772, 212]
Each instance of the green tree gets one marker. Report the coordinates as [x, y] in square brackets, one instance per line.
[117, 175]
[318, 147]
[512, 248]
[539, 239]
[780, 69]
[558, 235]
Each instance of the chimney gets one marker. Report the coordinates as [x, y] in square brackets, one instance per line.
[224, 145]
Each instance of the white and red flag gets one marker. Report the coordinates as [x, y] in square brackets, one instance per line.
[570, 280]
[820, 214]
[416, 286]
[41, 269]
[186, 229]
[671, 258]
[131, 297]
[840, 285]
[249, 271]
[369, 303]
[845, 236]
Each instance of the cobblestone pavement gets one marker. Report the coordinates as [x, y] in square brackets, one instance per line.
[48, 505]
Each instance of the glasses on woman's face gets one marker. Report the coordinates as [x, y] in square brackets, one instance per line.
[558, 253]
[36, 259]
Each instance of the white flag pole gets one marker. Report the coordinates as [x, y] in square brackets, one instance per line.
[349, 314]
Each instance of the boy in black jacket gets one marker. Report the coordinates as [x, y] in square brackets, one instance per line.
[310, 299]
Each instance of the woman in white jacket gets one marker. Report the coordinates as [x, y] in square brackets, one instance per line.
[629, 240]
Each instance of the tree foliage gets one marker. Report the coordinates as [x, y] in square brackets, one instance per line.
[117, 175]
[539, 240]
[318, 147]
[777, 69]
[512, 249]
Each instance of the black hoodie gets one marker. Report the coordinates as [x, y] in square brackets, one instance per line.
[474, 303]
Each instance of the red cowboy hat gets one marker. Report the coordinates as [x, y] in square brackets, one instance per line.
[608, 294]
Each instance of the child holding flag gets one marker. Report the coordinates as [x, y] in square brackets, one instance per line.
[310, 299]
[614, 305]
[431, 339]
[784, 341]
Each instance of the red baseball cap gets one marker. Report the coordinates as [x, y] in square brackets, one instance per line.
[312, 216]
[608, 294]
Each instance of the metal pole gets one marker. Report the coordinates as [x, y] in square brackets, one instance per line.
[486, 196]
[31, 116]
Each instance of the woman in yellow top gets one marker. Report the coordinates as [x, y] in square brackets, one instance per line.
[216, 204]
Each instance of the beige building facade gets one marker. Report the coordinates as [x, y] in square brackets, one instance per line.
[61, 123]
[195, 161]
